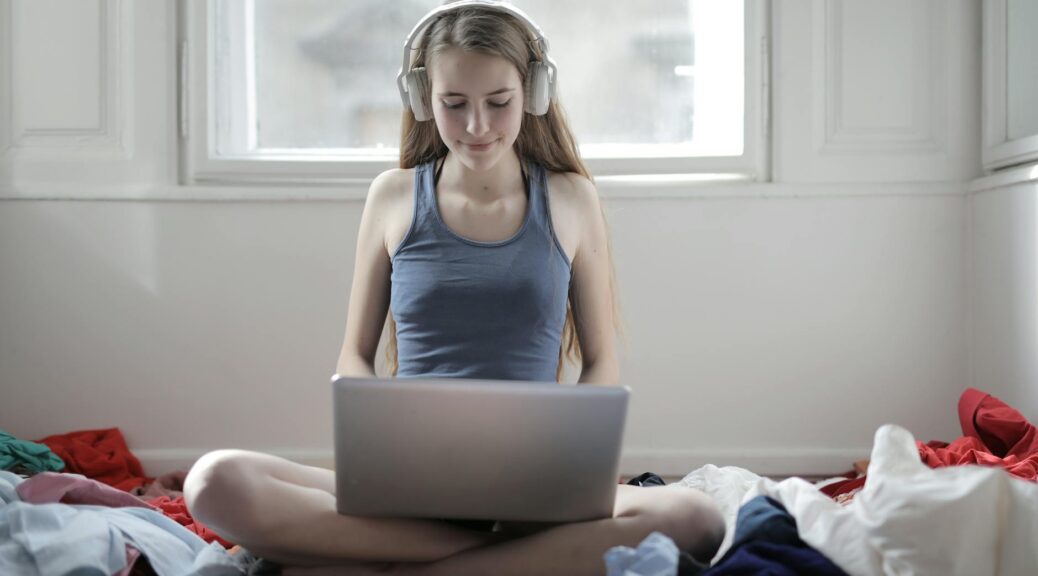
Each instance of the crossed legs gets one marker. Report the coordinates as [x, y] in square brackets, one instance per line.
[285, 511]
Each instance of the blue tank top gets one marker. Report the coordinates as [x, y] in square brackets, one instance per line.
[468, 309]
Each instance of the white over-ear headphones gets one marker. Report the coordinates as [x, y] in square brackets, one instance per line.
[540, 78]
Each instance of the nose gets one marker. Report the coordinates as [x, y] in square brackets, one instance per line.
[477, 121]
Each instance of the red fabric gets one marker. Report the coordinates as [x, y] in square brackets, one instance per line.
[995, 434]
[843, 487]
[970, 450]
[176, 509]
[101, 455]
[999, 426]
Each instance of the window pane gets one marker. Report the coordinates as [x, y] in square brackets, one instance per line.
[654, 78]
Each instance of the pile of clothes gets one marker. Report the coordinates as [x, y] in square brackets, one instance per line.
[969, 507]
[81, 503]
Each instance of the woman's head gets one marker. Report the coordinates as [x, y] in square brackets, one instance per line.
[481, 58]
[470, 53]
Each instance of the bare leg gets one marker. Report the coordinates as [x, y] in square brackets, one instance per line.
[686, 515]
[286, 512]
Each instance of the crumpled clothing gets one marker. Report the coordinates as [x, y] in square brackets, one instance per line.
[772, 559]
[62, 539]
[1002, 429]
[9, 482]
[987, 519]
[727, 486]
[170, 484]
[971, 450]
[766, 542]
[33, 456]
[101, 455]
[50, 487]
[657, 555]
[176, 509]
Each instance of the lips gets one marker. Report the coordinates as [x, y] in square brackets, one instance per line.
[480, 146]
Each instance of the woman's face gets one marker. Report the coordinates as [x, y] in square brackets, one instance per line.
[477, 102]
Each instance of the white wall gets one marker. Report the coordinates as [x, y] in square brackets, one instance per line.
[772, 326]
[1005, 295]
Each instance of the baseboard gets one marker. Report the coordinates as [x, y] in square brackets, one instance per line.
[668, 463]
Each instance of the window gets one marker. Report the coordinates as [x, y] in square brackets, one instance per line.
[304, 91]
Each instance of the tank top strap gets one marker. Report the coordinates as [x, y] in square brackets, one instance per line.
[425, 192]
[537, 182]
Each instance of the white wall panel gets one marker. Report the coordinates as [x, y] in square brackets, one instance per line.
[877, 91]
[67, 74]
[1005, 296]
[91, 88]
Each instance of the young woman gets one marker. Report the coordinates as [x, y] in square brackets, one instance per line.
[488, 251]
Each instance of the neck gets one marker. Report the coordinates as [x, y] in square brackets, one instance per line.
[494, 182]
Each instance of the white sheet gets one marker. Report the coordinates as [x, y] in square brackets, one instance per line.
[910, 519]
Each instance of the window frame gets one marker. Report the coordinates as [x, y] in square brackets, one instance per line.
[999, 150]
[201, 165]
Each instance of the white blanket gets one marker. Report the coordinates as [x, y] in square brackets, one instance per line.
[911, 519]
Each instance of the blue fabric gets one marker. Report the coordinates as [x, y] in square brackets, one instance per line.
[32, 455]
[657, 555]
[766, 542]
[9, 482]
[759, 558]
[466, 309]
[764, 518]
[51, 539]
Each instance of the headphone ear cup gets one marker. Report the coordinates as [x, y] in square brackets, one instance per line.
[538, 89]
[418, 94]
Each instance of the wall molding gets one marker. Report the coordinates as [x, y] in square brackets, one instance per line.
[357, 192]
[6, 77]
[670, 463]
[114, 115]
[1009, 177]
[923, 134]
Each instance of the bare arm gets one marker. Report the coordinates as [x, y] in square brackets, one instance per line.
[369, 294]
[592, 289]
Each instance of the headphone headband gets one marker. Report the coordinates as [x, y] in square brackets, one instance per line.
[493, 5]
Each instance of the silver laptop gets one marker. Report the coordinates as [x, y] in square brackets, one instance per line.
[477, 449]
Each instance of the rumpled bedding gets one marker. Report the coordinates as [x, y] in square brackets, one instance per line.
[55, 538]
[102, 522]
[966, 508]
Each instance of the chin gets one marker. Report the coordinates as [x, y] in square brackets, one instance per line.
[479, 162]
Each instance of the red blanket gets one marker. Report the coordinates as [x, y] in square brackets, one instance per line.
[101, 455]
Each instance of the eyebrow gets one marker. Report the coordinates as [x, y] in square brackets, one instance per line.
[494, 93]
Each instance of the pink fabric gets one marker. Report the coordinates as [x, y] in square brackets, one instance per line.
[171, 484]
[48, 487]
[132, 554]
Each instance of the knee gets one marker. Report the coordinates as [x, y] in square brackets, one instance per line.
[695, 523]
[217, 488]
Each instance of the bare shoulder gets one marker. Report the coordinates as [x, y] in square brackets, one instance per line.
[572, 191]
[391, 187]
[390, 204]
[575, 209]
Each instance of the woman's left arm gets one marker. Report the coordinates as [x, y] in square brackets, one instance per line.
[592, 288]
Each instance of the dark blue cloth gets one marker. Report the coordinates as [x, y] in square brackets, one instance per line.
[468, 309]
[766, 543]
[760, 557]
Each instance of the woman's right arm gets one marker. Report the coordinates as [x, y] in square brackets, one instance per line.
[369, 294]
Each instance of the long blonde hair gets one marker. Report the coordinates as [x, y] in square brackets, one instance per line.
[546, 140]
